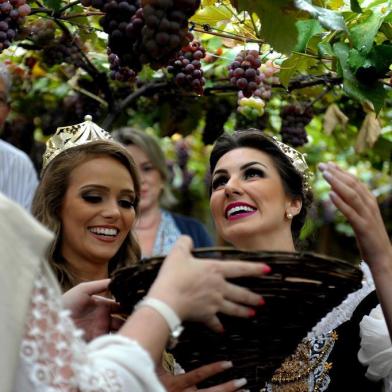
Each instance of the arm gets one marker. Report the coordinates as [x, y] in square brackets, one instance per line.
[359, 206]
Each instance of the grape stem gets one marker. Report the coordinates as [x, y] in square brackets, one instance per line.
[80, 15]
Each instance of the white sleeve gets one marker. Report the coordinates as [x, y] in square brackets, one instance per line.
[54, 357]
[376, 348]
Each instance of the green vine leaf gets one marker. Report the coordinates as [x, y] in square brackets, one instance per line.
[53, 4]
[296, 63]
[277, 21]
[329, 19]
[362, 34]
[375, 93]
[306, 30]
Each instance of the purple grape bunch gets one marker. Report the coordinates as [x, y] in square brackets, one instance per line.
[12, 16]
[244, 72]
[186, 67]
[295, 117]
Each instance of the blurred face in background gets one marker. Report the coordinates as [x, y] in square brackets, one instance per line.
[151, 180]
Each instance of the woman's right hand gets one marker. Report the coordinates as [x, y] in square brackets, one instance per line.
[196, 289]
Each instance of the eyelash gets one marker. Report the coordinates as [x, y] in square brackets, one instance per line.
[128, 204]
[220, 181]
[147, 168]
[249, 173]
[254, 171]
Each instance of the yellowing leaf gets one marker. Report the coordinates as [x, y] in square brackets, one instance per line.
[334, 117]
[212, 15]
[37, 71]
[369, 132]
[335, 4]
[206, 3]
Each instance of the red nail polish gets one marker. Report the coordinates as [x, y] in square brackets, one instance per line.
[261, 301]
[266, 269]
[251, 313]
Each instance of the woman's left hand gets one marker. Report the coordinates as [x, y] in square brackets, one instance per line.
[360, 207]
[187, 382]
[90, 312]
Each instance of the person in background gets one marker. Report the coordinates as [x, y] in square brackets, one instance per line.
[260, 194]
[42, 350]
[156, 228]
[18, 178]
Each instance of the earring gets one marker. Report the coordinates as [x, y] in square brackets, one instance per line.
[289, 215]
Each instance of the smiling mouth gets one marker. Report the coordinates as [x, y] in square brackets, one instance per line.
[239, 211]
[104, 231]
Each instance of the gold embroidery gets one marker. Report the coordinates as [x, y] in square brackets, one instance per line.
[309, 357]
[168, 362]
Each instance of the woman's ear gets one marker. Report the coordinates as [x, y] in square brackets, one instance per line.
[294, 206]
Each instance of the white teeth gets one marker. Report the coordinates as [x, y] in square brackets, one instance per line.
[239, 209]
[104, 231]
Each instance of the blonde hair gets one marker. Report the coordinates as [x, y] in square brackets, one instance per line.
[49, 198]
[150, 146]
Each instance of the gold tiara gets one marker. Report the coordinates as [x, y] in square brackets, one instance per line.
[73, 136]
[298, 160]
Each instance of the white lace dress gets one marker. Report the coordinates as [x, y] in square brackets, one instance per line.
[54, 357]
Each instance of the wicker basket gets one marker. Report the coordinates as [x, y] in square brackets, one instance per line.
[301, 289]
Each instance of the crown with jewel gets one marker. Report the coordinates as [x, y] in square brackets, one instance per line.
[73, 136]
[298, 160]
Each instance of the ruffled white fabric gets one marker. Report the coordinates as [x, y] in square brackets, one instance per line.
[345, 310]
[54, 357]
[376, 348]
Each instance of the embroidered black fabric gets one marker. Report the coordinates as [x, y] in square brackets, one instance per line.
[347, 373]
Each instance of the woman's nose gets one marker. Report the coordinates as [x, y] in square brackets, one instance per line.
[233, 187]
[111, 210]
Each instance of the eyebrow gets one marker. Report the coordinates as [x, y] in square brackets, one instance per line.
[104, 188]
[243, 167]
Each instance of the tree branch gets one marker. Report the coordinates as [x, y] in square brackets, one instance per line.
[70, 5]
[144, 90]
[297, 84]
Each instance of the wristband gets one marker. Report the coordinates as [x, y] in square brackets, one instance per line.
[170, 316]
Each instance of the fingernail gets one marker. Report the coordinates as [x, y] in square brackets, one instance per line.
[221, 329]
[251, 313]
[261, 301]
[327, 175]
[240, 382]
[322, 166]
[227, 365]
[266, 269]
